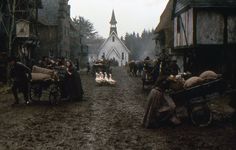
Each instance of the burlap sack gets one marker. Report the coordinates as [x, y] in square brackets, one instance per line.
[193, 81]
[37, 69]
[209, 75]
[40, 76]
[176, 83]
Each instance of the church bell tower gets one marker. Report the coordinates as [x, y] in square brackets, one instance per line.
[113, 23]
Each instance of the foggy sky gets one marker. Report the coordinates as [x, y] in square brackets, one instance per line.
[131, 15]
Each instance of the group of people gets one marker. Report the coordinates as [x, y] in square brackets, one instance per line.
[69, 78]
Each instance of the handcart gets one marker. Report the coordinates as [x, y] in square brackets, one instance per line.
[196, 99]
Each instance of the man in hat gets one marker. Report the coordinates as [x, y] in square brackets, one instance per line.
[161, 107]
[174, 68]
[21, 75]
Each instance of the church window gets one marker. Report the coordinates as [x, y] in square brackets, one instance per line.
[122, 56]
[113, 39]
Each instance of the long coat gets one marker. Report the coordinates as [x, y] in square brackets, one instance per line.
[74, 86]
[159, 109]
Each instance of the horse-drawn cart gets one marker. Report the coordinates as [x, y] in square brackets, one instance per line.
[196, 99]
[98, 67]
[101, 66]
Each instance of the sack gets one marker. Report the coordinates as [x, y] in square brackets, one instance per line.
[37, 69]
[40, 76]
[193, 81]
[209, 75]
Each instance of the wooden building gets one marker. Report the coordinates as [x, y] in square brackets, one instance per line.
[54, 28]
[205, 34]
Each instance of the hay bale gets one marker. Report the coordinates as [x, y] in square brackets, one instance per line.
[193, 81]
[37, 69]
[40, 76]
[209, 75]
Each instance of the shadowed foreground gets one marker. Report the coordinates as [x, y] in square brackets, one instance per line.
[109, 118]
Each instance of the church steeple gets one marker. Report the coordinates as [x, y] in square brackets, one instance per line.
[113, 23]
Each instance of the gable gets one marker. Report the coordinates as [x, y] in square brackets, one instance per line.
[109, 43]
[113, 51]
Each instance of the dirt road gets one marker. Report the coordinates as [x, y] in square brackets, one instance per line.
[108, 118]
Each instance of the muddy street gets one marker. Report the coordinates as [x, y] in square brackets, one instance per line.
[109, 118]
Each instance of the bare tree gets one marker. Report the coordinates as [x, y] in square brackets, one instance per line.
[9, 23]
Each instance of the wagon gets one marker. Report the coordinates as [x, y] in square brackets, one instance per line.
[48, 90]
[196, 99]
[101, 67]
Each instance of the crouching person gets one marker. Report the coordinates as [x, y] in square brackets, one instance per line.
[161, 108]
[21, 76]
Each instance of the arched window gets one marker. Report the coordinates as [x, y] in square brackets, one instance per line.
[113, 39]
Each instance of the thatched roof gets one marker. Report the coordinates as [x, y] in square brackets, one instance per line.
[165, 29]
[182, 4]
[166, 17]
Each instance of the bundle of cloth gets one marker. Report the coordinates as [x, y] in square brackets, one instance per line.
[42, 74]
[180, 83]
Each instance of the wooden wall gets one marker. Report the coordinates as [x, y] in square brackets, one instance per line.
[231, 29]
[209, 27]
[185, 35]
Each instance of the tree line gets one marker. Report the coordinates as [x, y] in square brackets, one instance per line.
[140, 46]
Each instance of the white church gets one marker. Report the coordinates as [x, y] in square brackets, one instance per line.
[113, 47]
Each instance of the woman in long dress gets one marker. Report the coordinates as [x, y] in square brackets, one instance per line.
[161, 107]
[74, 86]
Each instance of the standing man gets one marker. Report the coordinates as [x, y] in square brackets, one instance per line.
[21, 75]
[77, 64]
[88, 68]
[174, 68]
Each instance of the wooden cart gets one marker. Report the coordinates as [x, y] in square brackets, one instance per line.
[196, 99]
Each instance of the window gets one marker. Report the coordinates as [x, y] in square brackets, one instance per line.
[113, 39]
[178, 24]
[122, 56]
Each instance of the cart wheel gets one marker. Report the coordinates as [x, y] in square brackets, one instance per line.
[200, 115]
[35, 93]
[54, 96]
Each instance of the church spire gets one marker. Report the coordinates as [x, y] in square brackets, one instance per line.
[113, 18]
[113, 23]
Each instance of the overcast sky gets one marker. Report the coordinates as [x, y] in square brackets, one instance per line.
[131, 15]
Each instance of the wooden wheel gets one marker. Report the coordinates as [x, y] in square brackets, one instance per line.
[200, 115]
